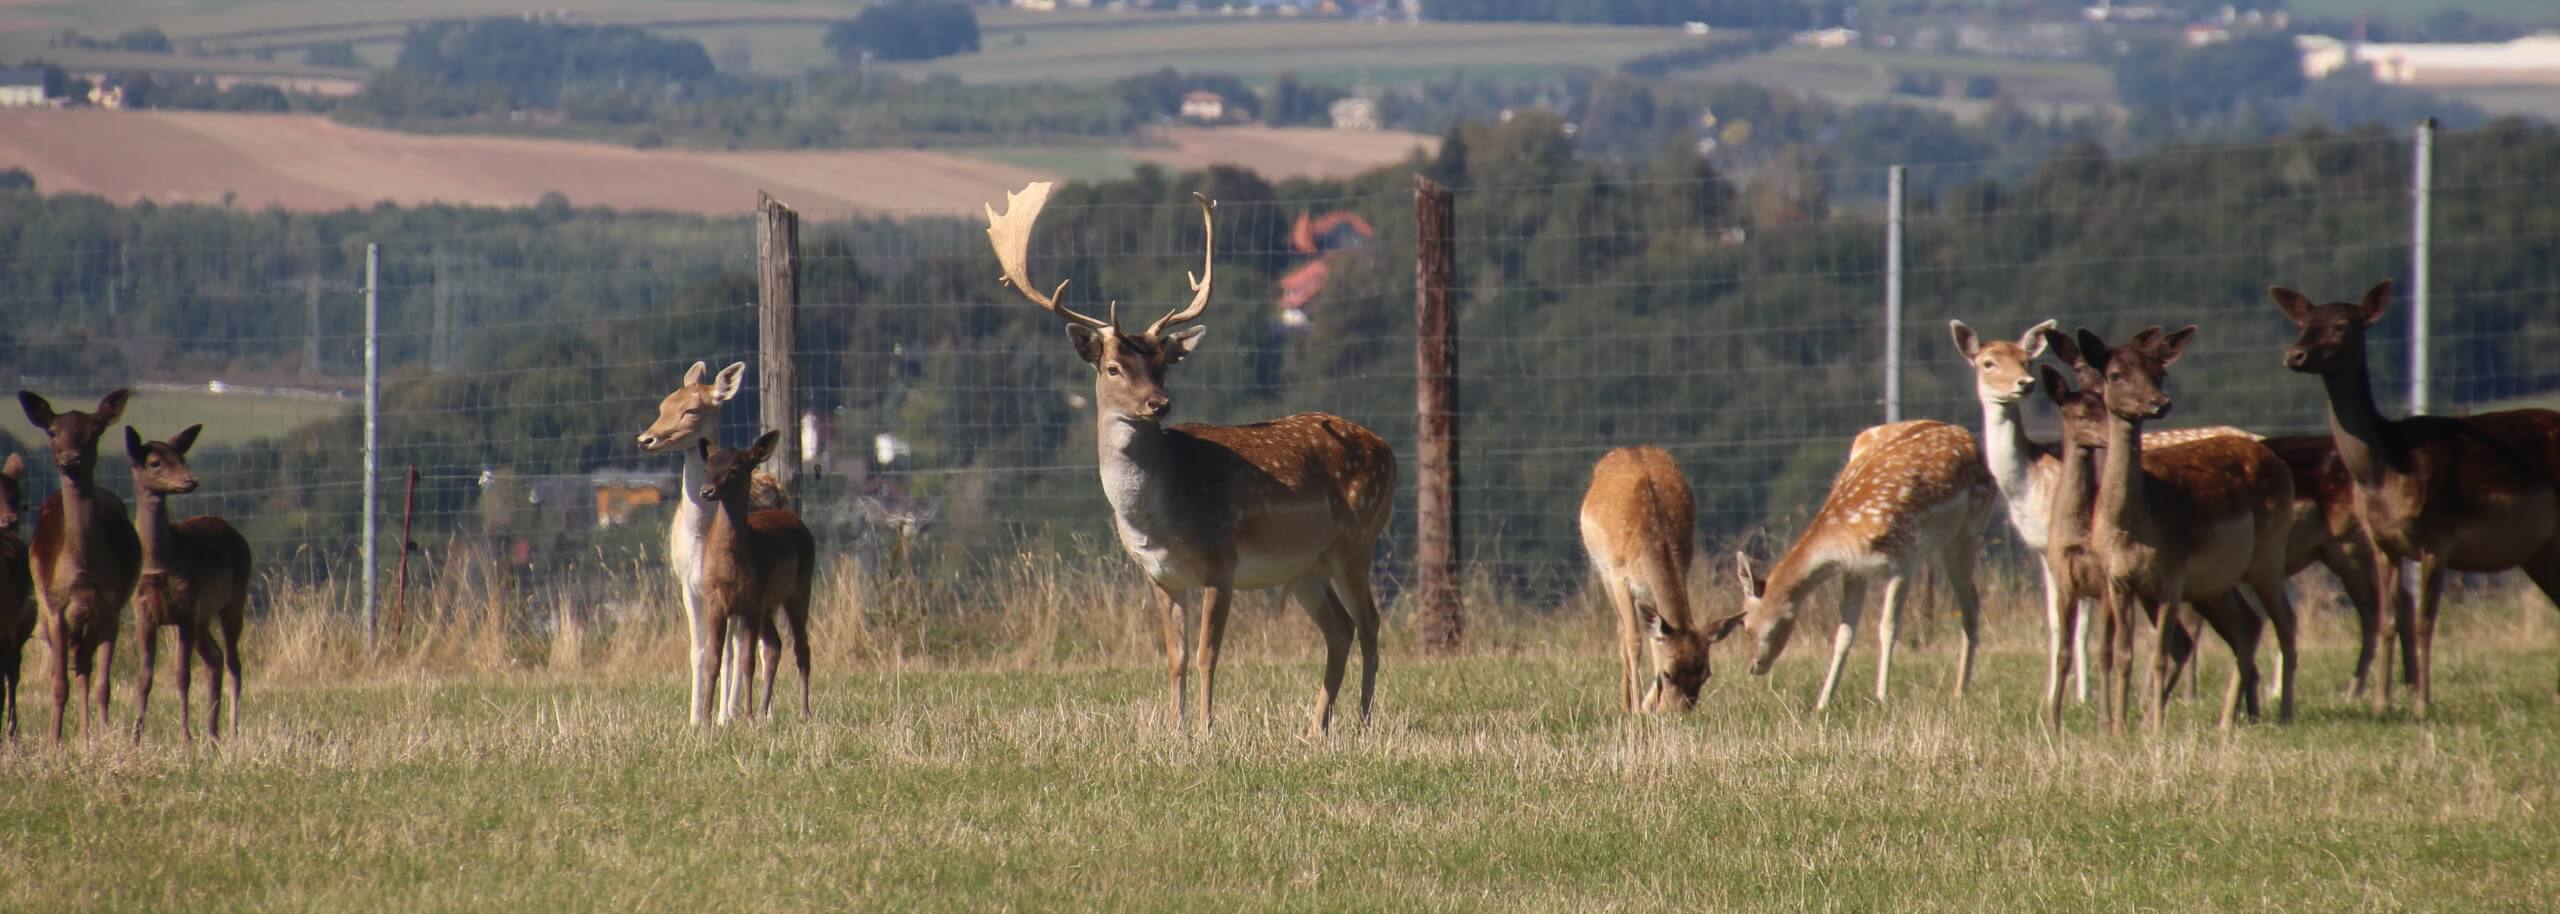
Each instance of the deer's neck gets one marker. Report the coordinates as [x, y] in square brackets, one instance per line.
[724, 534]
[81, 503]
[1133, 463]
[2020, 467]
[2356, 424]
[2119, 502]
[2072, 498]
[151, 520]
[1796, 575]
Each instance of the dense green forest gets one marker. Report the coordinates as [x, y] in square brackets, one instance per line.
[1605, 302]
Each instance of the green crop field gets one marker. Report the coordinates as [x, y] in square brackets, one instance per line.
[229, 419]
[1501, 781]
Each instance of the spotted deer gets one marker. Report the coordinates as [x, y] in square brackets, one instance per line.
[755, 564]
[1639, 524]
[2079, 570]
[195, 578]
[689, 412]
[85, 557]
[1297, 502]
[2195, 522]
[2473, 494]
[1916, 498]
[17, 588]
[2025, 470]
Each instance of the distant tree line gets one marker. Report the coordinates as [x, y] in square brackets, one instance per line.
[906, 30]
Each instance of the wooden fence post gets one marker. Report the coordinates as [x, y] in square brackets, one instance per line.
[1435, 405]
[778, 332]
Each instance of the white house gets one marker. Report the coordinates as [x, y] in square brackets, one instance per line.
[2530, 60]
[1354, 113]
[1203, 105]
[22, 87]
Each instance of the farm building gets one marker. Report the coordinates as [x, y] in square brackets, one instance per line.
[1203, 105]
[2533, 59]
[22, 87]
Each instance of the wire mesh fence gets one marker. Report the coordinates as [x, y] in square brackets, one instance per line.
[949, 424]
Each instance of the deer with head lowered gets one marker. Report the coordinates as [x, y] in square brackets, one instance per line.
[17, 588]
[85, 557]
[1297, 502]
[690, 412]
[755, 564]
[1638, 523]
[1907, 499]
[2196, 522]
[195, 578]
[2472, 494]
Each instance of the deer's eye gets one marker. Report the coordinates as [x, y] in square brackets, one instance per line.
[1113, 370]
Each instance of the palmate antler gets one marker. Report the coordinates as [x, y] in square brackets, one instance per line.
[1010, 233]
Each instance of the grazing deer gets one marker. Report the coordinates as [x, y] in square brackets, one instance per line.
[753, 564]
[195, 578]
[2191, 523]
[17, 588]
[2079, 570]
[2025, 470]
[1638, 523]
[1906, 500]
[1297, 502]
[690, 412]
[2471, 494]
[85, 556]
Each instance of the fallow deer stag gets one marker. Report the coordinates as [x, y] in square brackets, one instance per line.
[1639, 521]
[195, 578]
[2079, 570]
[2192, 523]
[85, 557]
[2003, 376]
[1908, 499]
[17, 588]
[689, 412]
[1297, 502]
[754, 564]
[2472, 494]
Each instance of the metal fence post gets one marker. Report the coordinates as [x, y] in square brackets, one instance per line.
[1435, 406]
[2420, 181]
[1893, 294]
[778, 332]
[372, 430]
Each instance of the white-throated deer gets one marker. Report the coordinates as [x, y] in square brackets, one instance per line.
[17, 588]
[1908, 499]
[85, 557]
[195, 578]
[1297, 502]
[2471, 494]
[2191, 523]
[1639, 521]
[755, 564]
[690, 412]
[2025, 470]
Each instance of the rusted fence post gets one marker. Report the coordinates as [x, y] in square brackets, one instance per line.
[1435, 405]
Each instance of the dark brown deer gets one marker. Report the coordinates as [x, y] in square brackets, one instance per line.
[1296, 502]
[85, 556]
[17, 588]
[195, 578]
[2474, 494]
[2192, 523]
[754, 563]
[1639, 523]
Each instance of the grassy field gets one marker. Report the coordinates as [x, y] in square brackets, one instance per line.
[229, 419]
[1850, 76]
[2413, 11]
[508, 773]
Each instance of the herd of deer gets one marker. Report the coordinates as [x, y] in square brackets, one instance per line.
[2197, 523]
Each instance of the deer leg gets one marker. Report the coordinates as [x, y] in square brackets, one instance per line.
[1215, 600]
[1177, 650]
[58, 663]
[2182, 650]
[1351, 586]
[1314, 596]
[232, 621]
[694, 630]
[770, 633]
[737, 668]
[2065, 618]
[213, 665]
[1853, 598]
[2430, 595]
[1622, 605]
[2394, 603]
[105, 682]
[187, 681]
[2357, 580]
[796, 612]
[1959, 574]
[2238, 626]
[146, 631]
[2116, 641]
[12, 662]
[1896, 591]
[2277, 608]
[2164, 614]
[707, 642]
[2079, 635]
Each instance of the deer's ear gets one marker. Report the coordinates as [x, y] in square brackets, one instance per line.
[2054, 387]
[2295, 306]
[1721, 629]
[693, 375]
[1181, 343]
[2370, 310]
[1967, 344]
[731, 379]
[185, 439]
[1752, 585]
[133, 448]
[2174, 345]
[1654, 627]
[2062, 346]
[702, 446]
[38, 411]
[14, 468]
[764, 446]
[2093, 349]
[1088, 343]
[2033, 341]
[111, 406]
